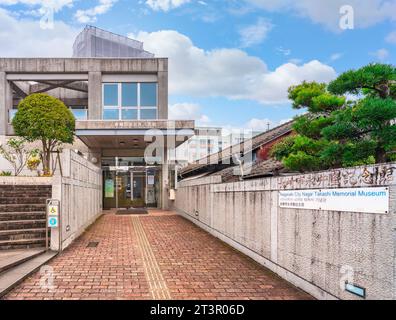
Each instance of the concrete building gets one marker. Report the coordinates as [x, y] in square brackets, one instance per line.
[253, 153]
[121, 108]
[210, 140]
[206, 140]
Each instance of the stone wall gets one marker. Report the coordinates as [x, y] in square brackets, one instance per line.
[80, 191]
[315, 250]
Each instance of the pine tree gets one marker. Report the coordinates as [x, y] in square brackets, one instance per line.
[340, 132]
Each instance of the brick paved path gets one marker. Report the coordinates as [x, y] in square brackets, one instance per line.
[161, 256]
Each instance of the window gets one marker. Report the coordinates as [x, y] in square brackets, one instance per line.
[111, 95]
[148, 94]
[148, 114]
[80, 113]
[111, 114]
[129, 114]
[130, 101]
[129, 95]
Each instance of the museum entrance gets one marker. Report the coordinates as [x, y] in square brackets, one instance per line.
[130, 186]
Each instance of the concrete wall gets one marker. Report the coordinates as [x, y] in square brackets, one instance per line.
[310, 248]
[93, 70]
[80, 193]
[79, 190]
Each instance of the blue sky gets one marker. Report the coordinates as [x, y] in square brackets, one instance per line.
[230, 61]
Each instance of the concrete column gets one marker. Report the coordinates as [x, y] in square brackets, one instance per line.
[163, 95]
[5, 102]
[165, 182]
[95, 104]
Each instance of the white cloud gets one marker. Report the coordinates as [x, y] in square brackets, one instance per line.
[285, 121]
[391, 37]
[381, 54]
[260, 124]
[327, 13]
[89, 15]
[283, 51]
[272, 87]
[296, 61]
[25, 38]
[263, 124]
[252, 126]
[336, 56]
[231, 73]
[255, 34]
[165, 5]
[187, 111]
[199, 72]
[55, 4]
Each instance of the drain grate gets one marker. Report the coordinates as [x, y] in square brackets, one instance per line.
[93, 244]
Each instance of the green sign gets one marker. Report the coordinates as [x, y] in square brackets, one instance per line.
[109, 188]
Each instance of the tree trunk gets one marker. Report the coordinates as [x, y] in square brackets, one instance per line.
[381, 155]
[47, 166]
[46, 158]
[384, 90]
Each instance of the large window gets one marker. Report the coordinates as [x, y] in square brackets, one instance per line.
[130, 101]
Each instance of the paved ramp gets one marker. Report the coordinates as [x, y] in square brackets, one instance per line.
[159, 256]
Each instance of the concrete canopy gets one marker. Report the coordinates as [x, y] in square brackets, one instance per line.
[132, 134]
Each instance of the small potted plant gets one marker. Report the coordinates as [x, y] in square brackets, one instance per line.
[33, 163]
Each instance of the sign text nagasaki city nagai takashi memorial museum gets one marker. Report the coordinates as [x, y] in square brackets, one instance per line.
[367, 200]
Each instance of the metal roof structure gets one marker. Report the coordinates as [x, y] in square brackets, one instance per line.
[93, 42]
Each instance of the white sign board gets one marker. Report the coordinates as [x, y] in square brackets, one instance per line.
[367, 200]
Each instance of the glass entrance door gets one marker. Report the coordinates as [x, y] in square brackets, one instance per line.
[124, 190]
[128, 182]
[131, 189]
[138, 189]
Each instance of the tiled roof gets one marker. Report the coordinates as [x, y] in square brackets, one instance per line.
[267, 167]
[232, 174]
